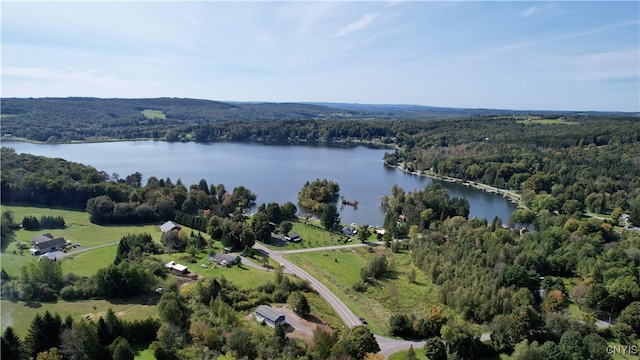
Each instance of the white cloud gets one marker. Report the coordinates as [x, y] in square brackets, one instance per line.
[527, 44]
[365, 20]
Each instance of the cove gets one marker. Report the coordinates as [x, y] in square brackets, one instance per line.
[275, 173]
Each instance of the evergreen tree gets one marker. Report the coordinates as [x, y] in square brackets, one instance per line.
[12, 347]
[121, 350]
[434, 349]
[330, 217]
[43, 333]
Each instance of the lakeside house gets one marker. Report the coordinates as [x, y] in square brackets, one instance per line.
[172, 265]
[170, 226]
[293, 237]
[41, 244]
[269, 316]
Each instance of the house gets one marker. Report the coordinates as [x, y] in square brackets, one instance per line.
[348, 230]
[293, 237]
[169, 226]
[172, 265]
[268, 315]
[223, 259]
[44, 243]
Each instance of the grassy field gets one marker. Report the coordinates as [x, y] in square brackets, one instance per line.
[313, 236]
[340, 269]
[19, 314]
[154, 114]
[402, 355]
[537, 120]
[79, 230]
[87, 263]
[243, 276]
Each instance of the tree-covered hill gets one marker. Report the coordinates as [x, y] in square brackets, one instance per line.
[174, 119]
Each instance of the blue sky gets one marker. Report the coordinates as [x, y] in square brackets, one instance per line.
[563, 55]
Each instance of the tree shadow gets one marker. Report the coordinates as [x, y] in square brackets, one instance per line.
[33, 304]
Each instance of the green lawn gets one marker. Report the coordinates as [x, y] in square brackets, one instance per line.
[402, 354]
[243, 276]
[19, 314]
[87, 263]
[313, 236]
[340, 269]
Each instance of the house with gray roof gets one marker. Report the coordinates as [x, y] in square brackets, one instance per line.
[269, 316]
[44, 243]
[223, 259]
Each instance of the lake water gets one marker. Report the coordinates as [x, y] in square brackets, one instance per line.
[275, 173]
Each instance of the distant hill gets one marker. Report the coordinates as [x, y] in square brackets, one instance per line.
[178, 119]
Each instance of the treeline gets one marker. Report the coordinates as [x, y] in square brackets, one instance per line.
[45, 222]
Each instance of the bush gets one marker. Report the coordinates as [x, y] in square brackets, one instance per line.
[360, 286]
[68, 293]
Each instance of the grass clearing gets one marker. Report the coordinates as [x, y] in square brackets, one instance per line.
[87, 263]
[154, 114]
[19, 314]
[141, 351]
[313, 236]
[538, 120]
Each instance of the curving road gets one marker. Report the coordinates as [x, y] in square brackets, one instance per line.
[388, 346]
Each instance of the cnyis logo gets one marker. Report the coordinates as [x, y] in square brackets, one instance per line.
[622, 350]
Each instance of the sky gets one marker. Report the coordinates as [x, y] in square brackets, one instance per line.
[566, 55]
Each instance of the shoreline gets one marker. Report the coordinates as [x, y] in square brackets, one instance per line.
[509, 194]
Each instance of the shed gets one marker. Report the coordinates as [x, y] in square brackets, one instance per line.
[169, 226]
[41, 244]
[268, 315]
[172, 265]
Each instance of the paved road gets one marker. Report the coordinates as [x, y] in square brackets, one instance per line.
[388, 346]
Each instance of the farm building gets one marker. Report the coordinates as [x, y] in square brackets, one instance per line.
[169, 226]
[44, 243]
[172, 265]
[268, 315]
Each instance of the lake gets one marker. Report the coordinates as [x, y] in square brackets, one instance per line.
[275, 173]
